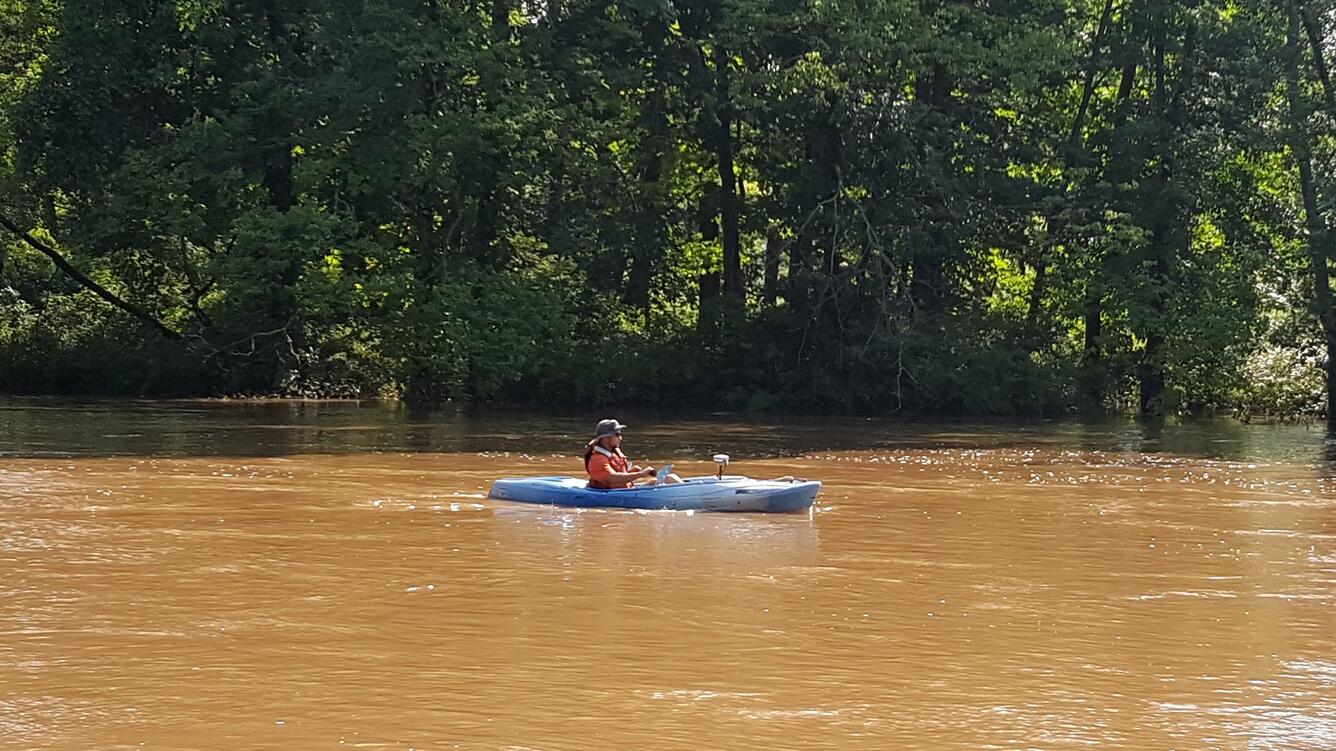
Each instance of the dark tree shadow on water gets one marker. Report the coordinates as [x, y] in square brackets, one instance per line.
[1152, 433]
[1328, 455]
[63, 428]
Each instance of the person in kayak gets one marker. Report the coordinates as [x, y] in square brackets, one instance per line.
[607, 466]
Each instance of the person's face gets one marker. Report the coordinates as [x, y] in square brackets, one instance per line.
[613, 441]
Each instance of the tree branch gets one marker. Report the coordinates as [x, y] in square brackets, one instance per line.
[88, 283]
[1314, 33]
[1088, 88]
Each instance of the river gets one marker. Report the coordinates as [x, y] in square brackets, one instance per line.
[305, 575]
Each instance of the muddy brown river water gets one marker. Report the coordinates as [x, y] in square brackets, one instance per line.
[330, 575]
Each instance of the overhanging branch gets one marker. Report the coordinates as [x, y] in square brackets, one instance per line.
[83, 279]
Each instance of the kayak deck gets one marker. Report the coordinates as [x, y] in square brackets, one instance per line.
[730, 493]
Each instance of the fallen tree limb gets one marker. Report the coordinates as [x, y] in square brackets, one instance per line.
[83, 279]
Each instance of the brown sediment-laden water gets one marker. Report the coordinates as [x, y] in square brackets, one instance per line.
[330, 575]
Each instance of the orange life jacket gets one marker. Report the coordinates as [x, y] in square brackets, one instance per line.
[600, 463]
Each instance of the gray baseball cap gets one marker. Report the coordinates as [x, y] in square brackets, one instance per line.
[607, 427]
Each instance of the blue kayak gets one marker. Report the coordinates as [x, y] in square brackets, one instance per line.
[729, 493]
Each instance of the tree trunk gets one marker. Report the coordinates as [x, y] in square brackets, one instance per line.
[1092, 359]
[500, 13]
[1074, 141]
[1093, 317]
[773, 245]
[707, 317]
[729, 212]
[1314, 222]
[652, 234]
[1152, 363]
[1168, 232]
[826, 149]
[929, 277]
[277, 154]
[494, 86]
[1036, 301]
[796, 287]
[278, 176]
[929, 260]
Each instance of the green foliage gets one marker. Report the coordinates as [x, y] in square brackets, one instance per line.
[1282, 382]
[61, 348]
[982, 208]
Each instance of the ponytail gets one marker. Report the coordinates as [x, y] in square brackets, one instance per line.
[589, 452]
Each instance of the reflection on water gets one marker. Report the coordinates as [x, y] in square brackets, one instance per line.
[305, 575]
[47, 427]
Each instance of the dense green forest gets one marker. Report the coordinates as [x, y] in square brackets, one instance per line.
[984, 207]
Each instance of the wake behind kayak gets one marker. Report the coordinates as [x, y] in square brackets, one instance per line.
[727, 493]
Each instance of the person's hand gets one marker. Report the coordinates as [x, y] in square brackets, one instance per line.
[647, 472]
